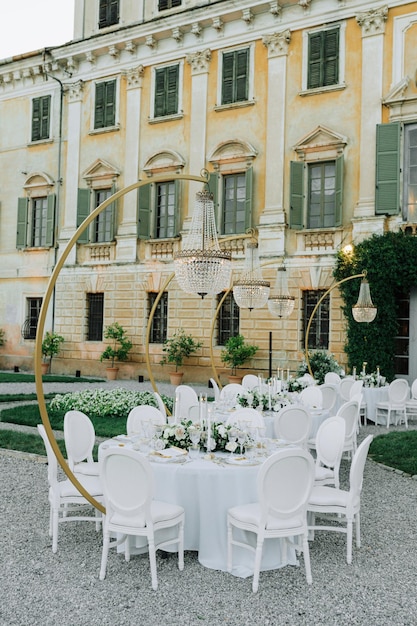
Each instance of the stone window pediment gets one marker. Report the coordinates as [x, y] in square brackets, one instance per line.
[321, 143]
[233, 154]
[101, 174]
[164, 161]
[38, 184]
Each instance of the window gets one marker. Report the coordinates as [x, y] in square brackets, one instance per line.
[158, 333]
[322, 206]
[235, 76]
[318, 337]
[158, 207]
[105, 104]
[108, 13]
[402, 340]
[41, 110]
[410, 173]
[168, 4]
[95, 309]
[232, 194]
[103, 224]
[228, 319]
[35, 222]
[33, 309]
[166, 91]
[323, 58]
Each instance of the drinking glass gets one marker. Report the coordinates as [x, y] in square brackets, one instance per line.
[241, 438]
[195, 436]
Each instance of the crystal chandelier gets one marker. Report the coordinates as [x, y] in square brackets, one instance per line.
[251, 291]
[202, 267]
[364, 310]
[281, 304]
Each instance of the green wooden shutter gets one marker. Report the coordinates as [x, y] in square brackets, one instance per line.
[114, 12]
[45, 112]
[248, 197]
[113, 217]
[160, 91]
[314, 60]
[22, 222]
[172, 90]
[83, 211]
[331, 57]
[227, 77]
[242, 75]
[36, 119]
[213, 185]
[50, 220]
[339, 192]
[144, 211]
[177, 215]
[387, 193]
[102, 14]
[110, 103]
[296, 194]
[99, 106]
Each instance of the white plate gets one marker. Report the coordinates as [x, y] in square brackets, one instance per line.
[241, 460]
[165, 458]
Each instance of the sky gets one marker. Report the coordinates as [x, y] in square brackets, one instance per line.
[29, 25]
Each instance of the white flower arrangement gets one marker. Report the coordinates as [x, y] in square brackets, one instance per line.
[374, 379]
[262, 401]
[179, 435]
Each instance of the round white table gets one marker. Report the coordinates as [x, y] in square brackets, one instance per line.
[207, 489]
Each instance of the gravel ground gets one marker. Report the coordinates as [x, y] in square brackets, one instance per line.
[42, 588]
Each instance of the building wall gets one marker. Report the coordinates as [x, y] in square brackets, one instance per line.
[283, 122]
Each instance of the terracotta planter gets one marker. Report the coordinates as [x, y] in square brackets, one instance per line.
[44, 368]
[235, 379]
[176, 378]
[111, 373]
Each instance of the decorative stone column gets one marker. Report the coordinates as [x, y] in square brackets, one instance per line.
[200, 62]
[373, 29]
[74, 93]
[272, 219]
[127, 230]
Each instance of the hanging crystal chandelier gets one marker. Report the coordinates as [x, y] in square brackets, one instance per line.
[251, 291]
[281, 304]
[364, 310]
[202, 267]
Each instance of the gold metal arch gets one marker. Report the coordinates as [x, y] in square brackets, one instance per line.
[43, 312]
[340, 282]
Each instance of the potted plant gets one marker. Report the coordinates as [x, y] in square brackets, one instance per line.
[51, 345]
[321, 362]
[235, 353]
[118, 350]
[177, 348]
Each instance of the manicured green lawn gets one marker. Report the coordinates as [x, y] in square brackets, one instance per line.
[396, 449]
[12, 377]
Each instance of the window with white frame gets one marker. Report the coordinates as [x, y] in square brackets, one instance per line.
[235, 76]
[158, 210]
[166, 90]
[105, 104]
[227, 319]
[318, 337]
[30, 325]
[41, 118]
[36, 214]
[324, 59]
[163, 5]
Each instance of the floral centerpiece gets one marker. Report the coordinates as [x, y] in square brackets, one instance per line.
[262, 401]
[295, 385]
[374, 379]
[179, 435]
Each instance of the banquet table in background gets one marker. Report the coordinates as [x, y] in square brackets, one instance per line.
[207, 489]
[317, 417]
[373, 395]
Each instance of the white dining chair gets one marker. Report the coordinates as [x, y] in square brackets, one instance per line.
[398, 394]
[229, 393]
[250, 382]
[345, 387]
[187, 397]
[216, 389]
[161, 404]
[293, 424]
[329, 394]
[312, 397]
[284, 486]
[128, 488]
[65, 501]
[141, 417]
[329, 443]
[411, 405]
[80, 437]
[357, 388]
[332, 378]
[339, 506]
[247, 417]
[349, 411]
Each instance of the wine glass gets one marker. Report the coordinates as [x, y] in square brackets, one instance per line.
[195, 436]
[231, 436]
[241, 438]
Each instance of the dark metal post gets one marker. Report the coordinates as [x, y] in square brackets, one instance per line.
[270, 354]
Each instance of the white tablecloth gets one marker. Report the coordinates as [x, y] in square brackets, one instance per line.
[373, 395]
[317, 417]
[207, 490]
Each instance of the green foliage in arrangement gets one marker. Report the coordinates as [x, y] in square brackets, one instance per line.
[120, 345]
[2, 337]
[321, 362]
[390, 261]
